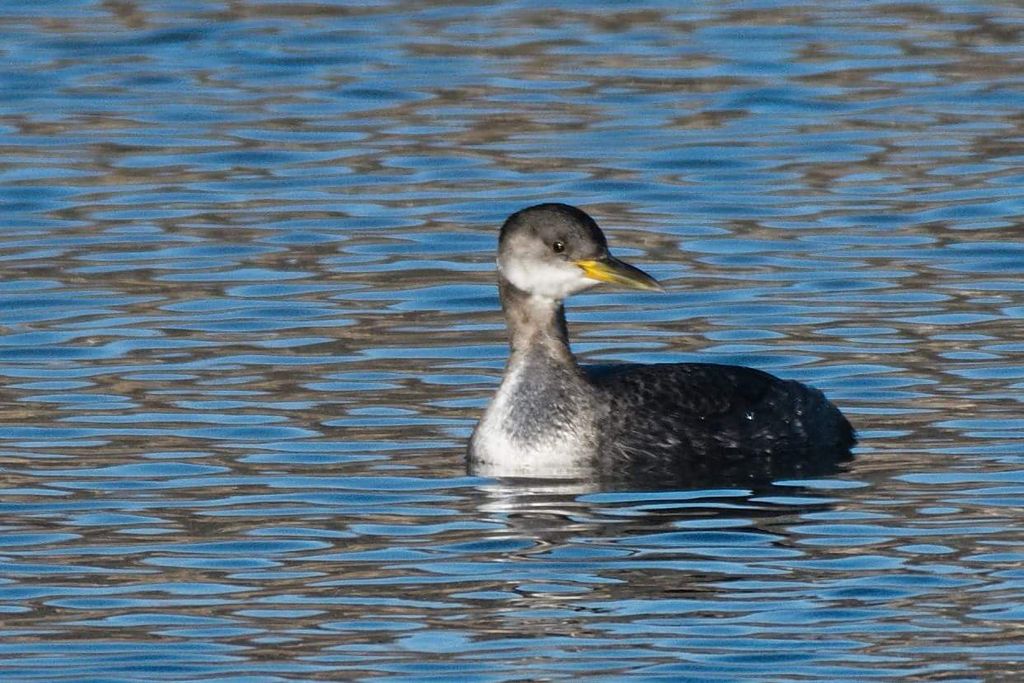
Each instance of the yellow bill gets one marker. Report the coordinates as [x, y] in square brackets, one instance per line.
[612, 270]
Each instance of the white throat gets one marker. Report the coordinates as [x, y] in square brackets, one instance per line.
[553, 281]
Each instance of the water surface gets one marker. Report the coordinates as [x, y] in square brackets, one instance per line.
[247, 322]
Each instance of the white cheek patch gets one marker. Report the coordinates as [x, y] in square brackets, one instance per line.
[552, 281]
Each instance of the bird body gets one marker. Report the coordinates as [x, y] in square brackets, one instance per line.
[686, 424]
[710, 423]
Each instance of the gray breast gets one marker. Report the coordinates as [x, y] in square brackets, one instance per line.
[543, 422]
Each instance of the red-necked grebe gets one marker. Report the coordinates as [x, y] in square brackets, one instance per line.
[666, 424]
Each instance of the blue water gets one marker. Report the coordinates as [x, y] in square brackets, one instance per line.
[248, 320]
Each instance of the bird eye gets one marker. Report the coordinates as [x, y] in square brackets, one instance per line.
[558, 247]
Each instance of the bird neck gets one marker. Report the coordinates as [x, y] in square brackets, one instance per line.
[534, 323]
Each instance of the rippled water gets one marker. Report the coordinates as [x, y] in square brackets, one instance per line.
[247, 322]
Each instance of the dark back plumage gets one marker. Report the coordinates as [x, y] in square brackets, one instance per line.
[703, 423]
